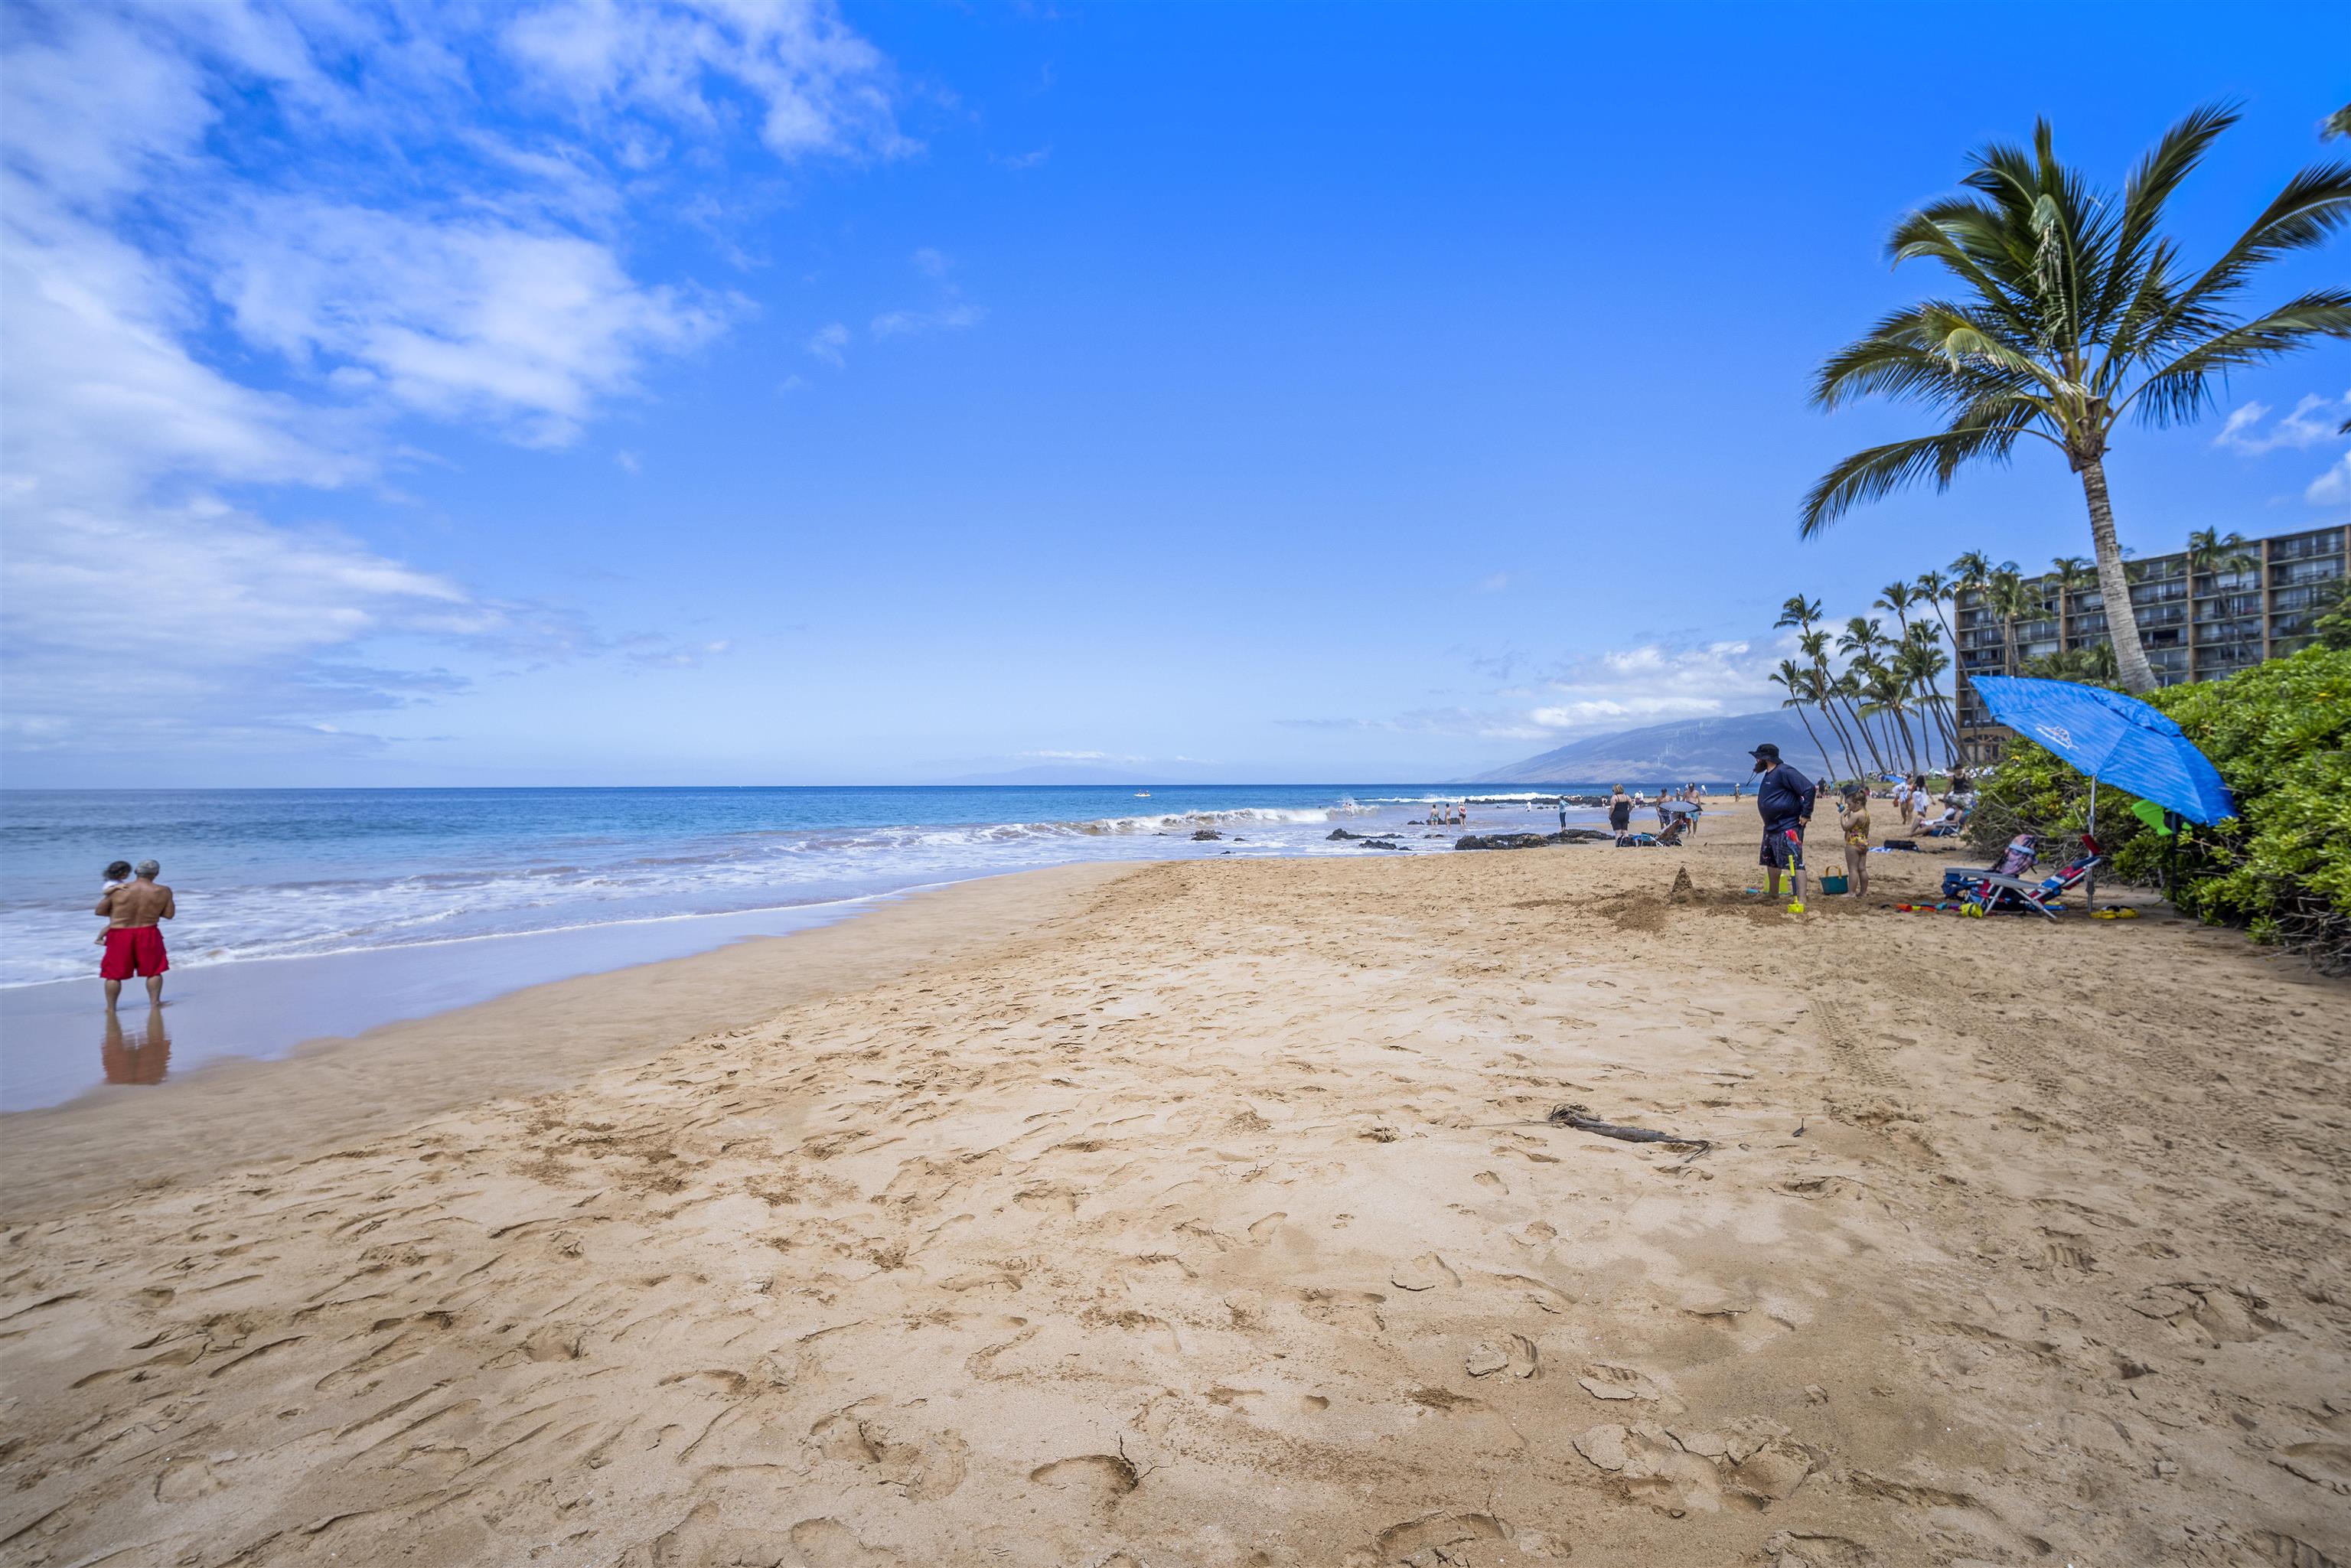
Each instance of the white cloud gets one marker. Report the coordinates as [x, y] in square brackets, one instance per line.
[243, 242]
[1656, 682]
[907, 323]
[827, 343]
[1496, 583]
[2332, 487]
[813, 84]
[930, 263]
[2315, 421]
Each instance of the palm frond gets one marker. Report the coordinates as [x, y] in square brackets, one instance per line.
[2181, 390]
[1876, 472]
[2312, 206]
[2145, 195]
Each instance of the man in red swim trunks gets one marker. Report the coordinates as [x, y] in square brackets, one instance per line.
[133, 944]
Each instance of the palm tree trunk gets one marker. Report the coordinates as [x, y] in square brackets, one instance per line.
[1868, 741]
[1959, 676]
[2122, 626]
[1836, 726]
[1815, 739]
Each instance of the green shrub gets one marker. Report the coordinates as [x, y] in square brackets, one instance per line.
[2280, 736]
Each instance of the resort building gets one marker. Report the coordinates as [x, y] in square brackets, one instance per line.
[2195, 627]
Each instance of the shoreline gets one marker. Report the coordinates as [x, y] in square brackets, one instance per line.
[232, 1108]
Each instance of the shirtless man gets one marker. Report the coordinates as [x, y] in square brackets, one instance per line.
[133, 944]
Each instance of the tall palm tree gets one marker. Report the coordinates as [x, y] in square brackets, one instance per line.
[2074, 313]
[1921, 659]
[1885, 690]
[2212, 553]
[1967, 573]
[1863, 636]
[1814, 645]
[2012, 599]
[1797, 684]
[2068, 574]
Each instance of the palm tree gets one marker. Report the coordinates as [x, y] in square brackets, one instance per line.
[2069, 574]
[1864, 636]
[2212, 553]
[2012, 599]
[1815, 647]
[2072, 314]
[1885, 688]
[1934, 590]
[1921, 659]
[1797, 683]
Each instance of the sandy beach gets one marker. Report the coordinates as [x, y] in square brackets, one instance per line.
[1207, 1213]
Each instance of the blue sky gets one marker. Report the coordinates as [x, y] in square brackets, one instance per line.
[633, 392]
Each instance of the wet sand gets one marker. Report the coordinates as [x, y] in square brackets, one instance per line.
[1215, 1220]
[169, 1119]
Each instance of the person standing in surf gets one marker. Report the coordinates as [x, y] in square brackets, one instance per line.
[134, 944]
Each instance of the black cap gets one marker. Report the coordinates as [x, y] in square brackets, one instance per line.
[1766, 749]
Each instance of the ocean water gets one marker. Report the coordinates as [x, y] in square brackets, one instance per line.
[288, 873]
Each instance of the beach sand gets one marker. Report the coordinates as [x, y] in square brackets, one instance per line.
[1211, 1218]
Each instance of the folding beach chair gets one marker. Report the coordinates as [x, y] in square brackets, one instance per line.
[1988, 891]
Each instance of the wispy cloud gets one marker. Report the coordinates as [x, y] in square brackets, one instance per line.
[1021, 160]
[829, 343]
[187, 322]
[907, 323]
[2333, 487]
[2315, 421]
[1654, 682]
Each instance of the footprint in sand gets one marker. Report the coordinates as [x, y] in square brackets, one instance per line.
[1424, 1272]
[1262, 1231]
[1109, 1475]
[1603, 1380]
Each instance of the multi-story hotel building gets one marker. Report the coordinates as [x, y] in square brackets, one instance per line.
[2216, 624]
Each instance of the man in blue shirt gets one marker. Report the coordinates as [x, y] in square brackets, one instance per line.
[1785, 798]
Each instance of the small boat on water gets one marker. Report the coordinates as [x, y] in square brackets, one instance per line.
[1142, 794]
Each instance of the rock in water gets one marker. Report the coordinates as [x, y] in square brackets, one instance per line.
[1206, 833]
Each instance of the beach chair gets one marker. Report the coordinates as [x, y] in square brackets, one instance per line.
[1990, 890]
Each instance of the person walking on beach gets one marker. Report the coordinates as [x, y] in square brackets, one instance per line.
[133, 944]
[1620, 811]
[1785, 798]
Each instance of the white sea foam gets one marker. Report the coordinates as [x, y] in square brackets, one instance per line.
[593, 879]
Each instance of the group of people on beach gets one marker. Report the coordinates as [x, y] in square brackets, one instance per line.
[1677, 810]
[1448, 814]
[134, 905]
[1786, 799]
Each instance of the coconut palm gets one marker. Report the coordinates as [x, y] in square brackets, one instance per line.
[1797, 683]
[1814, 645]
[1887, 692]
[2012, 599]
[1921, 659]
[2073, 312]
[2212, 553]
[1863, 636]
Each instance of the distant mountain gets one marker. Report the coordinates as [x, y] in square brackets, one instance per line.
[1687, 750]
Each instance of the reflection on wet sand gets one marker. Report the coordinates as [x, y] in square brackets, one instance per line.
[136, 1056]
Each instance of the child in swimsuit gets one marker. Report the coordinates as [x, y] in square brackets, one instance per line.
[117, 875]
[1853, 816]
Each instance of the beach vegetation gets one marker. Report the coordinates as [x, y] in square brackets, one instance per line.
[2073, 311]
[2280, 734]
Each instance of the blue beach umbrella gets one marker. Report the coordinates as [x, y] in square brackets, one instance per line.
[2113, 738]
